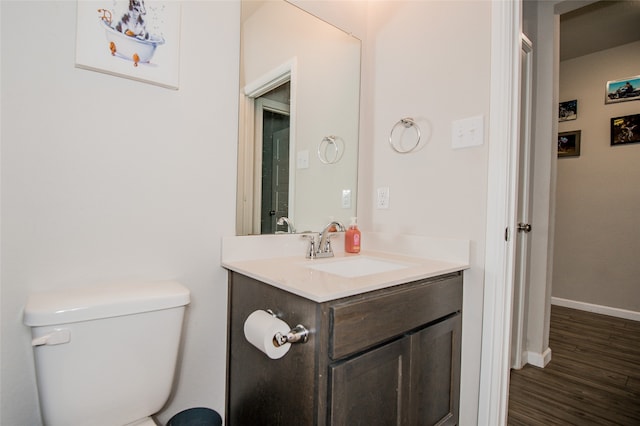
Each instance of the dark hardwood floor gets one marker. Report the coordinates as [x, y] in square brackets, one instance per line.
[593, 377]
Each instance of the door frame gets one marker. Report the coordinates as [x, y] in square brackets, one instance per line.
[245, 200]
[506, 28]
[518, 339]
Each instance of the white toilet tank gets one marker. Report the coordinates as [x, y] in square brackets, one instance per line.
[105, 355]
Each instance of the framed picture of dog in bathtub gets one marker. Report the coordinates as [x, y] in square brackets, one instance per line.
[137, 39]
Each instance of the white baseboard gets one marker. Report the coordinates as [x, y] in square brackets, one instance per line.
[598, 309]
[539, 359]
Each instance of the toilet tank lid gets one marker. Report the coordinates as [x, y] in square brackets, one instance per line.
[104, 301]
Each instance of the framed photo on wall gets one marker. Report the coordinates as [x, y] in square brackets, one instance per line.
[625, 129]
[625, 89]
[568, 110]
[569, 144]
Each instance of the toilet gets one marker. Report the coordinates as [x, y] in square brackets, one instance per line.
[106, 355]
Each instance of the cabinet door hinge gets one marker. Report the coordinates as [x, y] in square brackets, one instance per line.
[506, 233]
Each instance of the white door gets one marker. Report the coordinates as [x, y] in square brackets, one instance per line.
[521, 281]
[275, 203]
[265, 141]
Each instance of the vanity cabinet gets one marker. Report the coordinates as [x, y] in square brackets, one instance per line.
[385, 357]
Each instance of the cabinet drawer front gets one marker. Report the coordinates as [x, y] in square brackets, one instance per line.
[357, 325]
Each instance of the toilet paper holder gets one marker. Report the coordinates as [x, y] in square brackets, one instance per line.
[298, 334]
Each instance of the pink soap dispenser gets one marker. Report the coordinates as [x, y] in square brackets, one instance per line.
[352, 237]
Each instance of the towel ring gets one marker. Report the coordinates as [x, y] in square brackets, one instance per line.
[329, 150]
[406, 122]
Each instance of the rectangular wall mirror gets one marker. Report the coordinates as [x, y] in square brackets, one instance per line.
[299, 121]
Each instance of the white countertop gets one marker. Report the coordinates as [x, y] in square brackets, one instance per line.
[279, 260]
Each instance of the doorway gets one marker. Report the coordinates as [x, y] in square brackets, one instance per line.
[272, 153]
[274, 201]
[544, 23]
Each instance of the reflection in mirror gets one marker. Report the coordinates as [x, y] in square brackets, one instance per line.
[299, 88]
[272, 145]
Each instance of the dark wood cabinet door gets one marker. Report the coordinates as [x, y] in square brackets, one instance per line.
[435, 373]
[372, 389]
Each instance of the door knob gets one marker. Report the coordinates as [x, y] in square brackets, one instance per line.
[524, 227]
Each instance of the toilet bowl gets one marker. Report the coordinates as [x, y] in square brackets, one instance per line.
[106, 355]
[147, 421]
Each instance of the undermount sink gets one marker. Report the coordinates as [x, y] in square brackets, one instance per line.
[357, 266]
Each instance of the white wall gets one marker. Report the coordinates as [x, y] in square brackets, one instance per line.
[597, 237]
[430, 60]
[107, 178]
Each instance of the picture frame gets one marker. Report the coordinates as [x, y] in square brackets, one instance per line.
[622, 90]
[136, 39]
[568, 110]
[569, 144]
[625, 129]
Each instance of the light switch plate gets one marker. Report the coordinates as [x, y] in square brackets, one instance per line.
[467, 132]
[302, 160]
[346, 198]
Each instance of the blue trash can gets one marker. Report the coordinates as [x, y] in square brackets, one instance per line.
[199, 416]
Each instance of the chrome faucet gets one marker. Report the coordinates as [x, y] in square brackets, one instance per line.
[286, 221]
[324, 246]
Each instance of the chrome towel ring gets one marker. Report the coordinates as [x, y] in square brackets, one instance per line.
[331, 149]
[407, 123]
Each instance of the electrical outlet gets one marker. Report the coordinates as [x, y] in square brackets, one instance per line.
[382, 201]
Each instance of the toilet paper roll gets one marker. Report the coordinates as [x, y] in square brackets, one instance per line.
[260, 328]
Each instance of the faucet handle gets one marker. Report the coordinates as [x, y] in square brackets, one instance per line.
[311, 249]
[324, 245]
